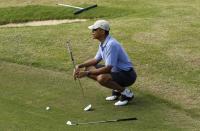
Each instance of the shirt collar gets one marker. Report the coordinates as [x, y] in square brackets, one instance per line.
[105, 42]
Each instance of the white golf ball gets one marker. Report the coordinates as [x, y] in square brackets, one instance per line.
[47, 108]
[69, 123]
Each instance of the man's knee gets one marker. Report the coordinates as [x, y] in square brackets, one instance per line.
[103, 79]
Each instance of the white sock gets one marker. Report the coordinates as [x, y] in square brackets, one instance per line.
[127, 92]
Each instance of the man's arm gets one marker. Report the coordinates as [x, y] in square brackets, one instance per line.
[78, 73]
[90, 62]
[102, 70]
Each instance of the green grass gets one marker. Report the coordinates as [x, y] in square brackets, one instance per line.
[23, 102]
[39, 12]
[46, 12]
[161, 37]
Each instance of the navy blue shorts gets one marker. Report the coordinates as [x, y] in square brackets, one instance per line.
[123, 78]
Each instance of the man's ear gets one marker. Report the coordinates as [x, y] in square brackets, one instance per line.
[103, 32]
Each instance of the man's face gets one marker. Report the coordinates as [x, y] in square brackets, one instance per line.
[98, 33]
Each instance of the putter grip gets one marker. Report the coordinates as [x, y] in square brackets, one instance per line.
[84, 9]
[127, 119]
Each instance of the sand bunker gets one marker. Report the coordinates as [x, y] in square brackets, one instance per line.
[43, 23]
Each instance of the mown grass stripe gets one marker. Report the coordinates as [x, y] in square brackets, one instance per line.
[40, 12]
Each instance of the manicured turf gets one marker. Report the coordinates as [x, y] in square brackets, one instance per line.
[26, 93]
[39, 12]
[161, 37]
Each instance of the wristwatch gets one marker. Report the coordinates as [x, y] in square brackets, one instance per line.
[87, 73]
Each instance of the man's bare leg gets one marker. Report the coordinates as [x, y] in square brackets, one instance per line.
[105, 80]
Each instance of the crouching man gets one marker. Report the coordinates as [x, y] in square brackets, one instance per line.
[118, 72]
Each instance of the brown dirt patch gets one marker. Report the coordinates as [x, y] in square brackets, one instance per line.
[43, 23]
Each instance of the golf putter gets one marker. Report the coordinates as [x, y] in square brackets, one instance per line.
[74, 65]
[80, 9]
[97, 122]
[88, 107]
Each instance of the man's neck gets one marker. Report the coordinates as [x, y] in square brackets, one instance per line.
[103, 39]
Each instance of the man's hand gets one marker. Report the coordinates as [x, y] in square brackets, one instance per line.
[82, 74]
[76, 72]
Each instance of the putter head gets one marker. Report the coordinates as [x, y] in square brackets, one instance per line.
[88, 108]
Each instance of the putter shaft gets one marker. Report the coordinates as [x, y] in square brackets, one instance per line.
[105, 121]
[74, 65]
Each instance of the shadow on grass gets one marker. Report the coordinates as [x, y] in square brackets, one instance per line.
[150, 101]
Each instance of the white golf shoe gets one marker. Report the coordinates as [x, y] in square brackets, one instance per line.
[115, 95]
[111, 98]
[121, 103]
[126, 96]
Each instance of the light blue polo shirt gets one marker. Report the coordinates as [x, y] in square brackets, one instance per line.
[113, 54]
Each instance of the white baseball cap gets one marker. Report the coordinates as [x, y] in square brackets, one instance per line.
[103, 24]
